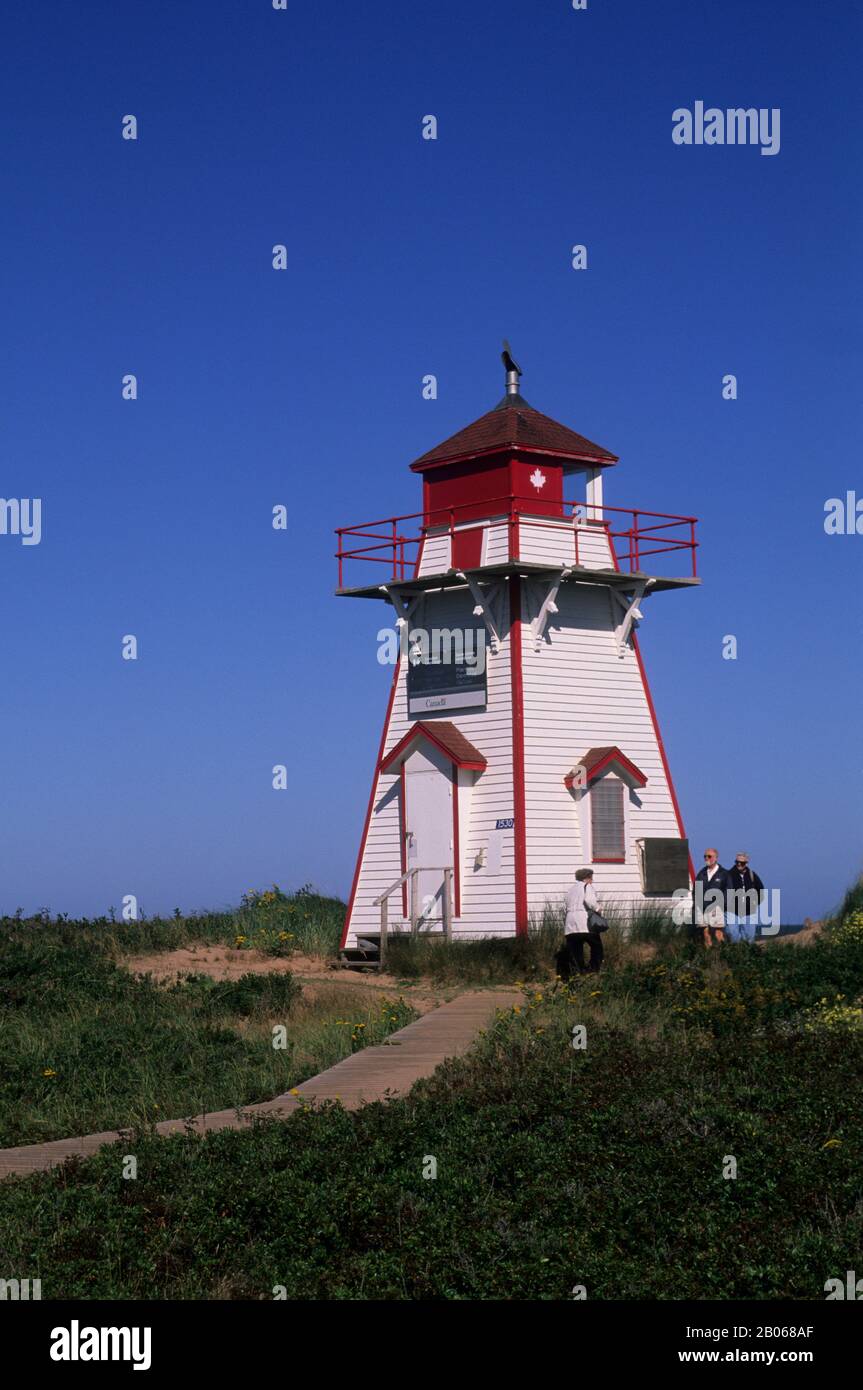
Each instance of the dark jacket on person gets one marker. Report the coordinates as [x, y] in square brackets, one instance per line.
[743, 881]
[717, 884]
[719, 881]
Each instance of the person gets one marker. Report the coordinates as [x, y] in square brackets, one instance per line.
[709, 911]
[744, 896]
[579, 899]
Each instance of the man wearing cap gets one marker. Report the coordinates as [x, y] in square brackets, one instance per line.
[744, 895]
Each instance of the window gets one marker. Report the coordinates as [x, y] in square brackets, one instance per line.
[607, 821]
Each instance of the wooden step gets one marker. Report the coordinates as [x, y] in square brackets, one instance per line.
[360, 958]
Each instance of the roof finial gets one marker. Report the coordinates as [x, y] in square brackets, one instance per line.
[513, 370]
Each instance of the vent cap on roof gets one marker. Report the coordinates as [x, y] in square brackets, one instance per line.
[513, 372]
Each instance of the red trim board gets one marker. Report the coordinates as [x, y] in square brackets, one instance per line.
[518, 800]
[456, 858]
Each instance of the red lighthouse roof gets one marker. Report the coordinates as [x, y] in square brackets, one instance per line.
[514, 424]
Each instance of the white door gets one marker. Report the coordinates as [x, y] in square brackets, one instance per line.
[429, 825]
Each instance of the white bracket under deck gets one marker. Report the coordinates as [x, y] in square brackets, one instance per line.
[630, 611]
[487, 601]
[547, 606]
[405, 607]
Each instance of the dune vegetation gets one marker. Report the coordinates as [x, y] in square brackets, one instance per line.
[685, 1126]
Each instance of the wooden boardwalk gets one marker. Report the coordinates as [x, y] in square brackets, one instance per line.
[375, 1073]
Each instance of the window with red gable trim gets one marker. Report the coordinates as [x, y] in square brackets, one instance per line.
[608, 821]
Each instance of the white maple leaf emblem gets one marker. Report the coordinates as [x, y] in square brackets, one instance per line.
[537, 478]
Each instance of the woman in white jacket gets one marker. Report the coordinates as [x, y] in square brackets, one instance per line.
[580, 897]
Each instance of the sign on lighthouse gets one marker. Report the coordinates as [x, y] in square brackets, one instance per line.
[520, 741]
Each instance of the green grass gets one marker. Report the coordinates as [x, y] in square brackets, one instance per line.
[270, 920]
[555, 1166]
[510, 959]
[487, 961]
[87, 1046]
[851, 903]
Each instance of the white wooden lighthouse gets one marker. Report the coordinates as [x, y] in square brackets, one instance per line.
[520, 741]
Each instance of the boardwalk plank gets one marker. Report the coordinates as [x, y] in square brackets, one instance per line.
[382, 1072]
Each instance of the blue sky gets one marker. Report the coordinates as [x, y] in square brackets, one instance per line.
[303, 387]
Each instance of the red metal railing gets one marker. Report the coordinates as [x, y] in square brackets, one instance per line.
[630, 545]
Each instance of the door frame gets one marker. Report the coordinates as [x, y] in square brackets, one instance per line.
[455, 837]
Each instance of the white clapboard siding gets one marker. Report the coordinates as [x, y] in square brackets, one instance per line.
[435, 554]
[487, 907]
[580, 694]
[496, 543]
[594, 547]
[546, 541]
[552, 541]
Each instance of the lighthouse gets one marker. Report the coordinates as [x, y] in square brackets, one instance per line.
[520, 740]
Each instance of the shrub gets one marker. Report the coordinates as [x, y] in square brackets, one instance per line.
[848, 931]
[251, 996]
[488, 960]
[278, 922]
